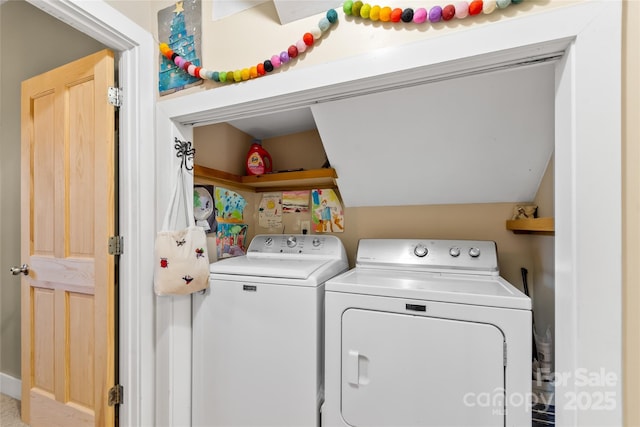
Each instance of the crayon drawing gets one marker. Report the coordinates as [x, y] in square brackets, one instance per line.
[326, 212]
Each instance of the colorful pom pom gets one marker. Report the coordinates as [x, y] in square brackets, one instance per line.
[475, 7]
[374, 14]
[365, 10]
[316, 33]
[260, 69]
[503, 3]
[448, 12]
[223, 76]
[301, 45]
[268, 66]
[324, 24]
[216, 76]
[420, 15]
[488, 6]
[284, 57]
[407, 15]
[355, 9]
[435, 14]
[347, 8]
[462, 9]
[396, 14]
[275, 61]
[253, 72]
[307, 38]
[332, 16]
[385, 14]
[292, 51]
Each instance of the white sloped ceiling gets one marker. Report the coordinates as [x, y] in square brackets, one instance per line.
[477, 139]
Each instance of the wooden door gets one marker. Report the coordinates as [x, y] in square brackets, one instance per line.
[68, 214]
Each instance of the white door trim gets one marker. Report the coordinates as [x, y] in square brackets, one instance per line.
[136, 54]
[588, 167]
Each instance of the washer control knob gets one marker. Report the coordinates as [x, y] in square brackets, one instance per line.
[268, 241]
[316, 242]
[474, 252]
[292, 241]
[421, 250]
[454, 252]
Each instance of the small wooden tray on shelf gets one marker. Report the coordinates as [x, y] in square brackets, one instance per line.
[543, 226]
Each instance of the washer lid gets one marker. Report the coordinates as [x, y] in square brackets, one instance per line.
[492, 291]
[283, 268]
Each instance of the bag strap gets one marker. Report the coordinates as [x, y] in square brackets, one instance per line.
[180, 196]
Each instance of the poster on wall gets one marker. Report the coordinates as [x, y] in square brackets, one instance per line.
[203, 207]
[295, 201]
[231, 240]
[229, 205]
[326, 212]
[231, 233]
[180, 26]
[270, 210]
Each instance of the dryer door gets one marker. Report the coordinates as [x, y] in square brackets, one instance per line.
[406, 370]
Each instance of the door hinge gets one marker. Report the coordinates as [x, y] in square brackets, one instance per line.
[116, 395]
[504, 353]
[114, 96]
[116, 245]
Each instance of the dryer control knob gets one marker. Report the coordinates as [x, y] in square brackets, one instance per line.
[474, 252]
[291, 241]
[454, 252]
[421, 251]
[316, 242]
[268, 241]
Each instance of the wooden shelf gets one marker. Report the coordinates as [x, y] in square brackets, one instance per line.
[296, 180]
[544, 226]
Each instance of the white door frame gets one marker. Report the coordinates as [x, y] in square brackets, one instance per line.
[587, 177]
[137, 55]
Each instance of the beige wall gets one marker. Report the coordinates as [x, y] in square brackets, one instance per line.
[31, 42]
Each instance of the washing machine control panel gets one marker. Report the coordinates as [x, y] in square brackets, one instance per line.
[472, 256]
[295, 244]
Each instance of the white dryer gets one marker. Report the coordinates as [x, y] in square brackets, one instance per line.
[426, 333]
[257, 333]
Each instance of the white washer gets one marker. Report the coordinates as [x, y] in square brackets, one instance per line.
[426, 333]
[257, 344]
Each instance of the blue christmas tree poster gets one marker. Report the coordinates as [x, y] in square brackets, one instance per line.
[180, 27]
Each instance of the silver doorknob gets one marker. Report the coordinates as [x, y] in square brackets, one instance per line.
[24, 269]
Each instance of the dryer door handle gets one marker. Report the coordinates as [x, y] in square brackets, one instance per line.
[357, 368]
[353, 367]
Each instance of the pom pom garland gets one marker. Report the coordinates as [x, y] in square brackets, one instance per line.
[459, 10]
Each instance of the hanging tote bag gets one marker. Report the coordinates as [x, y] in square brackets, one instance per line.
[181, 259]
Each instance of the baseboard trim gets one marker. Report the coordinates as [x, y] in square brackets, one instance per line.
[10, 386]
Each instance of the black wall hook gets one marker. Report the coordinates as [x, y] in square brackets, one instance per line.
[185, 152]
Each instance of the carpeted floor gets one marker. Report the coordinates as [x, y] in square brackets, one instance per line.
[10, 412]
